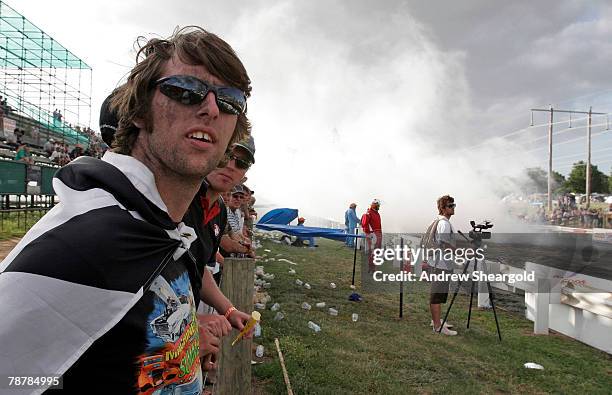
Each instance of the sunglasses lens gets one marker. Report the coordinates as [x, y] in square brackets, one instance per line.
[190, 90]
[231, 100]
[182, 95]
[240, 163]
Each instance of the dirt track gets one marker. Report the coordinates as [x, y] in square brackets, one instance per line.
[6, 246]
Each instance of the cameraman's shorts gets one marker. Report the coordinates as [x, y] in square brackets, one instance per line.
[439, 289]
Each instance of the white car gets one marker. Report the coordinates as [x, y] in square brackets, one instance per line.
[171, 325]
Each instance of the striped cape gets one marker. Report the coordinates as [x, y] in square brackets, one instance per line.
[81, 268]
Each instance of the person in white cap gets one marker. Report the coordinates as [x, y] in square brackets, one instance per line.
[372, 227]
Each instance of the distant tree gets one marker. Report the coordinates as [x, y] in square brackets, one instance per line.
[538, 180]
[576, 182]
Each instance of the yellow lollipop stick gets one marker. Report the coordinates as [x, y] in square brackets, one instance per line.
[255, 317]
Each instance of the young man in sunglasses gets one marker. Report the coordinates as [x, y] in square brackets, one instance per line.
[117, 315]
[444, 238]
[207, 214]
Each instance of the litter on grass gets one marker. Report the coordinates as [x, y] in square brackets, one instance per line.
[532, 365]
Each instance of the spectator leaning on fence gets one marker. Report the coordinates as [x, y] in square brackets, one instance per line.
[207, 214]
[23, 155]
[101, 316]
[234, 243]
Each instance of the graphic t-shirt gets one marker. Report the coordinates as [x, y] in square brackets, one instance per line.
[153, 350]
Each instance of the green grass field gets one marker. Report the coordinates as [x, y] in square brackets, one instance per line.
[17, 224]
[385, 355]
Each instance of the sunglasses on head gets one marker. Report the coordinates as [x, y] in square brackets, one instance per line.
[190, 90]
[451, 205]
[240, 163]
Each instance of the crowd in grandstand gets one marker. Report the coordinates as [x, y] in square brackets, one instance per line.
[567, 212]
[25, 143]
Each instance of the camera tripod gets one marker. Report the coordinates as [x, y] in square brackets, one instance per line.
[476, 241]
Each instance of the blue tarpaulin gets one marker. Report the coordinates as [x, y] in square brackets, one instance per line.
[279, 218]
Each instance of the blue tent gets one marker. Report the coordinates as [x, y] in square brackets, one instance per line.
[278, 219]
[280, 216]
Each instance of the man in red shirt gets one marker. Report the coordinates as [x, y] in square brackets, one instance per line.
[370, 222]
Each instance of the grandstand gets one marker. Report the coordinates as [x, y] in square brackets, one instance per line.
[45, 94]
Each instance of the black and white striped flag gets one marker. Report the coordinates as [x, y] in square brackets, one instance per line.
[81, 268]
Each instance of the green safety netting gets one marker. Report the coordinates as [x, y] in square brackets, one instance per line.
[38, 75]
[23, 44]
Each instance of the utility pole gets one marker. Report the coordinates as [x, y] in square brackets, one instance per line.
[588, 167]
[550, 152]
[550, 149]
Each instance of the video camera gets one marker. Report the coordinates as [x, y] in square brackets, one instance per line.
[477, 234]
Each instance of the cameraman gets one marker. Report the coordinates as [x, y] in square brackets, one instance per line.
[444, 239]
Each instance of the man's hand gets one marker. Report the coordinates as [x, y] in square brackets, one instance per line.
[215, 324]
[209, 362]
[238, 319]
[209, 343]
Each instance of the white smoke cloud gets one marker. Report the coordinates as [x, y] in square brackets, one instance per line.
[333, 127]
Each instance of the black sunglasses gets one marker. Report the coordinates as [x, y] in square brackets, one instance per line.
[452, 205]
[240, 163]
[190, 90]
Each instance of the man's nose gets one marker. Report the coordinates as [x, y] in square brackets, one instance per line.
[209, 106]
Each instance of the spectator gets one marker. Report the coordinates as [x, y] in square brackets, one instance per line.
[105, 313]
[300, 240]
[76, 152]
[234, 214]
[371, 224]
[23, 155]
[49, 147]
[350, 222]
[108, 121]
[208, 215]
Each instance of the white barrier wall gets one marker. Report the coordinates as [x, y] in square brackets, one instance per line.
[580, 307]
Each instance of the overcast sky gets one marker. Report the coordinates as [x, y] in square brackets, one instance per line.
[396, 100]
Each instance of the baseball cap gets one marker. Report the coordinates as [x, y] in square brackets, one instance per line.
[376, 201]
[238, 189]
[108, 121]
[248, 144]
[247, 189]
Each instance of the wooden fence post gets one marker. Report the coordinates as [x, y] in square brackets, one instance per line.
[237, 284]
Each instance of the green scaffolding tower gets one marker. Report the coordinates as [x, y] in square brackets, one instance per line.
[46, 87]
